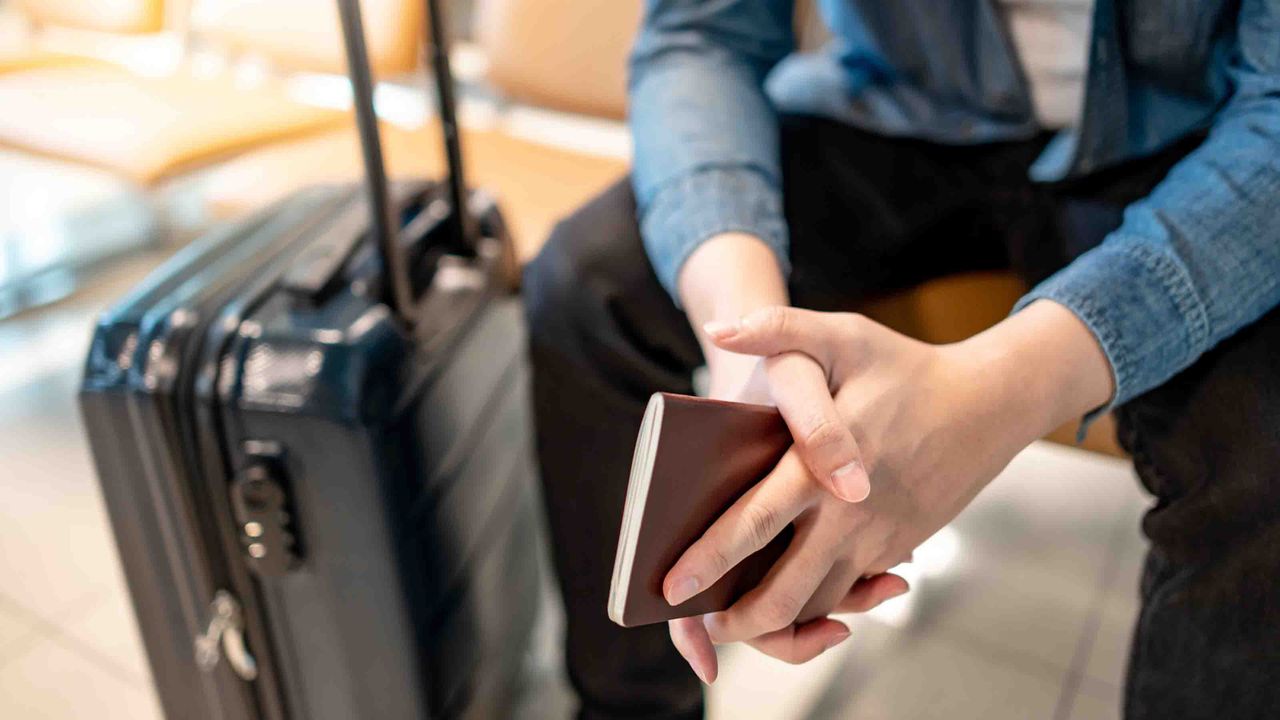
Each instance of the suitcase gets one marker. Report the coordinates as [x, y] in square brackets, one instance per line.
[312, 434]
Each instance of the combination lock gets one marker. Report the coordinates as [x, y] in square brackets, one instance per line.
[259, 495]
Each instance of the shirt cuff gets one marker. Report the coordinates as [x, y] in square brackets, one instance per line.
[1139, 301]
[691, 209]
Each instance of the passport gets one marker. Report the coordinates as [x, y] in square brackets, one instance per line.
[694, 457]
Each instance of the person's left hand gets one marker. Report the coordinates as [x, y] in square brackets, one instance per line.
[933, 423]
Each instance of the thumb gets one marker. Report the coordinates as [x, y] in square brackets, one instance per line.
[774, 330]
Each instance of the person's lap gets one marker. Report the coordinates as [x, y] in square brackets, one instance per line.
[1206, 444]
[866, 215]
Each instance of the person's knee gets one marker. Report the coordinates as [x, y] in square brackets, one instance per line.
[1202, 443]
[568, 282]
[554, 292]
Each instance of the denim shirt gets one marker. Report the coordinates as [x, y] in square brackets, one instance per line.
[1192, 263]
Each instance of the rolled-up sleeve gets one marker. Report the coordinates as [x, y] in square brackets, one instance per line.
[1199, 258]
[706, 137]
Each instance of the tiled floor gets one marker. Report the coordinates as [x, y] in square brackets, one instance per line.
[69, 644]
[1021, 609]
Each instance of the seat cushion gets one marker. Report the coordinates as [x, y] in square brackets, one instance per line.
[116, 16]
[144, 128]
[561, 54]
[14, 60]
[306, 34]
[535, 184]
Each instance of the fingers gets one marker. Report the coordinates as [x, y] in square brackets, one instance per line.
[867, 593]
[805, 641]
[690, 637]
[779, 599]
[825, 442]
[777, 329]
[748, 525]
[802, 643]
[801, 390]
[842, 576]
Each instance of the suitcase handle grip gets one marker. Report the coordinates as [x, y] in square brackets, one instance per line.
[436, 46]
[399, 293]
[462, 231]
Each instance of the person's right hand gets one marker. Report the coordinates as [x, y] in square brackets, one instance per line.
[729, 276]
[802, 641]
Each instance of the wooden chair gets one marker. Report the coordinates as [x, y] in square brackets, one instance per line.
[152, 127]
[23, 46]
[537, 183]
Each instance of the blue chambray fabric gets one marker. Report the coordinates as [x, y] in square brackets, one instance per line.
[1192, 263]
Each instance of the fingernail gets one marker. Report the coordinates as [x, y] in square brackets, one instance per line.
[850, 482]
[713, 622]
[682, 589]
[899, 593]
[719, 329]
[702, 674]
[836, 640]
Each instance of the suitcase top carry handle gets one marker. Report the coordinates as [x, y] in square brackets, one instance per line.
[383, 224]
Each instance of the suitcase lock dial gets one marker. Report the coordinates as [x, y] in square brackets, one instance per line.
[260, 498]
[224, 637]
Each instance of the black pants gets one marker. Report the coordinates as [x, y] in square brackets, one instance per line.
[869, 215]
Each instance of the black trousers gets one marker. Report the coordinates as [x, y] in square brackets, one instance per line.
[868, 215]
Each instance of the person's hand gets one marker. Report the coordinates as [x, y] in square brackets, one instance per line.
[730, 276]
[753, 382]
[933, 425]
[726, 277]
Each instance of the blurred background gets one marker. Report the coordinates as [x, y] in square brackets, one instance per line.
[129, 127]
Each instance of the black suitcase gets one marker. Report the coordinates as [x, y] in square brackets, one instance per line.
[312, 434]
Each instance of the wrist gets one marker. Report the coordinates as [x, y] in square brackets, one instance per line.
[730, 275]
[727, 277]
[1046, 368]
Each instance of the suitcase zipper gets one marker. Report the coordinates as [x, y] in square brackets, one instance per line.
[224, 637]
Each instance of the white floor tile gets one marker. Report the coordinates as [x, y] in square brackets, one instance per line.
[110, 631]
[754, 685]
[53, 682]
[1131, 553]
[929, 678]
[1032, 558]
[1031, 616]
[18, 629]
[54, 552]
[1053, 510]
[1109, 656]
[1096, 701]
[56, 547]
[1120, 603]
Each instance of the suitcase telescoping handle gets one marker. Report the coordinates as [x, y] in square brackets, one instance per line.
[383, 224]
[437, 50]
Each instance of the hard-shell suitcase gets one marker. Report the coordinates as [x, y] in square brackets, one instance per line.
[312, 434]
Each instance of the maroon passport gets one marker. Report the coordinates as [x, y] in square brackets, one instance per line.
[694, 457]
